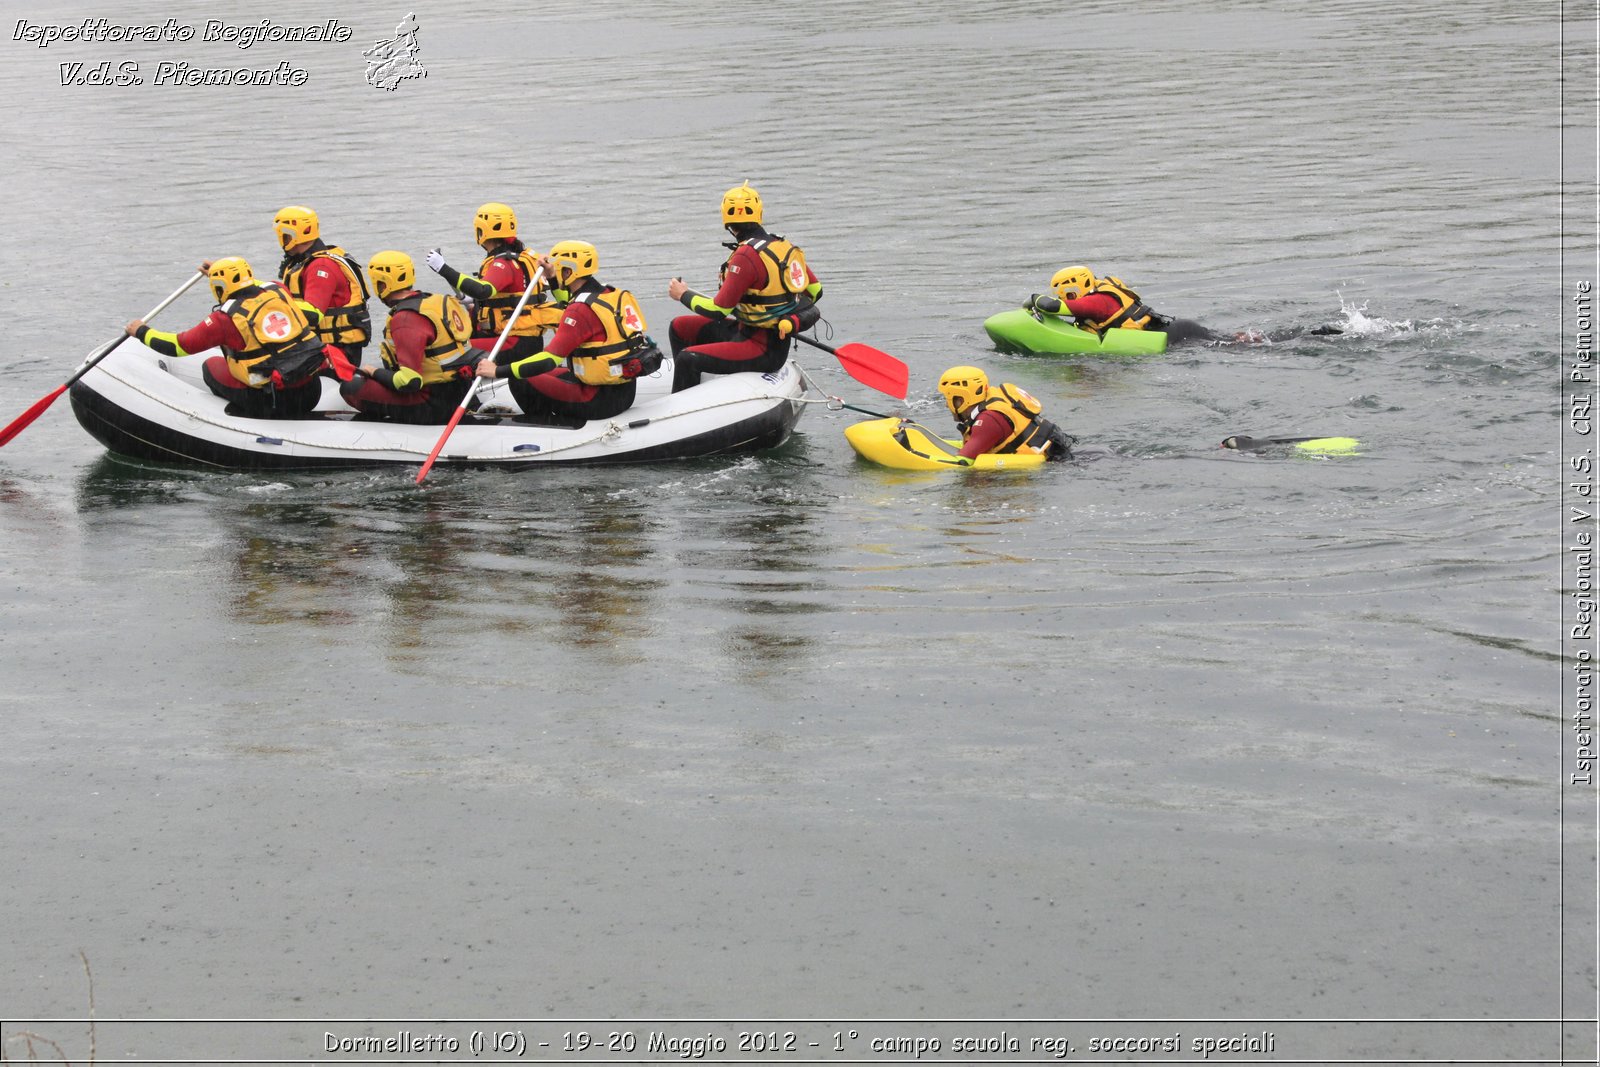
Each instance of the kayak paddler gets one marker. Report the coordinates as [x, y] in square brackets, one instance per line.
[1002, 420]
[1109, 303]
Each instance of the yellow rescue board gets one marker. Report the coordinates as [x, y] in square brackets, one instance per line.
[908, 446]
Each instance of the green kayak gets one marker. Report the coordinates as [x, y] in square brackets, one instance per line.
[1018, 330]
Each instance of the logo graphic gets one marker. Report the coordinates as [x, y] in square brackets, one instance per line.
[275, 326]
[797, 274]
[391, 62]
[630, 318]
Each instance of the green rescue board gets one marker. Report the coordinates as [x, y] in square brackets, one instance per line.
[1018, 330]
[908, 446]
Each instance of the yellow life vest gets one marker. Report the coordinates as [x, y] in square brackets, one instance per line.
[786, 279]
[447, 355]
[603, 362]
[278, 339]
[1030, 431]
[1132, 315]
[489, 316]
[347, 325]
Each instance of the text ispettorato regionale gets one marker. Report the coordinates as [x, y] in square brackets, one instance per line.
[244, 34]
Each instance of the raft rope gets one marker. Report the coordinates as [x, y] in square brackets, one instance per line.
[834, 403]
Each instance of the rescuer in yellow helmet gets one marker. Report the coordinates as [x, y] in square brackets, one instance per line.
[325, 277]
[427, 362]
[271, 351]
[767, 293]
[507, 270]
[590, 367]
[1002, 419]
[1109, 303]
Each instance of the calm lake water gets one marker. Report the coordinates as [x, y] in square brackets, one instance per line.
[1168, 740]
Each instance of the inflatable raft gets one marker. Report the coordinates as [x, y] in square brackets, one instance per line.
[1020, 330]
[906, 445]
[150, 407]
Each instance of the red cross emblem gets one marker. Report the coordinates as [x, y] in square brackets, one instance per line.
[275, 326]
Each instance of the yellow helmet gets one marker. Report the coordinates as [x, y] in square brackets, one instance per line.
[963, 387]
[494, 220]
[741, 204]
[391, 272]
[1070, 283]
[295, 224]
[228, 275]
[574, 260]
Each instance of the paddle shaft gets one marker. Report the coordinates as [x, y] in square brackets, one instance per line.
[26, 418]
[461, 408]
[815, 344]
[158, 309]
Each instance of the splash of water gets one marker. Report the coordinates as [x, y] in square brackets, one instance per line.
[1360, 324]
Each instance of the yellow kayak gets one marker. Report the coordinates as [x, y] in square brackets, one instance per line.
[909, 446]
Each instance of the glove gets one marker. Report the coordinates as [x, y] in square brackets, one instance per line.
[788, 324]
[1027, 305]
[435, 261]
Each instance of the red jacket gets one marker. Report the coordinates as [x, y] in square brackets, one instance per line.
[411, 333]
[215, 330]
[326, 286]
[579, 323]
[988, 432]
[1096, 307]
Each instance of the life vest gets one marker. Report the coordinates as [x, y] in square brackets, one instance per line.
[489, 316]
[1030, 431]
[447, 356]
[786, 280]
[1132, 315]
[348, 325]
[280, 344]
[624, 352]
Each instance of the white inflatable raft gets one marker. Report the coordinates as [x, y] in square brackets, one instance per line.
[150, 407]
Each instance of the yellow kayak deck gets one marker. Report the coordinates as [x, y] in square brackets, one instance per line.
[909, 446]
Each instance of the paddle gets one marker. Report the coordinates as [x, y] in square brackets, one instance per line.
[461, 408]
[872, 368]
[26, 418]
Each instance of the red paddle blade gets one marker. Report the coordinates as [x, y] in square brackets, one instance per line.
[23, 421]
[875, 369]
